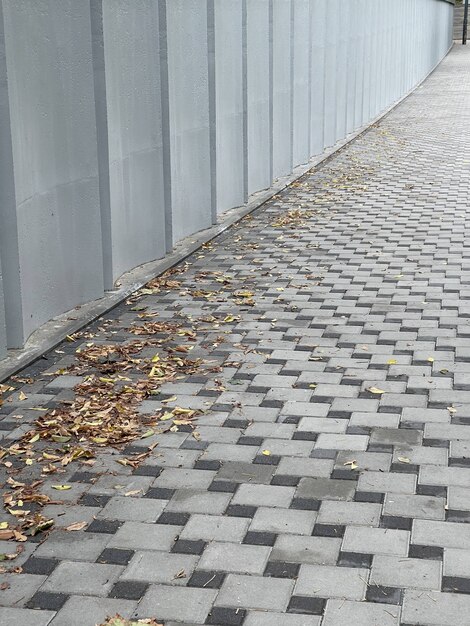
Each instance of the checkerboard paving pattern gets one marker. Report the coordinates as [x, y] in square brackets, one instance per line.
[330, 480]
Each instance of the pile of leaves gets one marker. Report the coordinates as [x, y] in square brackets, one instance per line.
[292, 219]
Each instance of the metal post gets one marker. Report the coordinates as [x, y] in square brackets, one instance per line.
[465, 23]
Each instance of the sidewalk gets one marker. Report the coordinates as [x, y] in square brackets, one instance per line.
[303, 386]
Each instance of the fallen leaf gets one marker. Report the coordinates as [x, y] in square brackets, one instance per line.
[430, 359]
[404, 459]
[134, 492]
[61, 487]
[266, 452]
[392, 362]
[352, 464]
[76, 526]
[375, 390]
[4, 586]
[22, 396]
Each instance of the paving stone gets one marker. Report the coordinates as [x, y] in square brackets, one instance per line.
[443, 534]
[357, 513]
[182, 604]
[301, 549]
[255, 592]
[291, 466]
[393, 571]
[133, 509]
[376, 540]
[160, 567]
[215, 528]
[326, 581]
[245, 472]
[383, 482]
[456, 562]
[260, 618]
[325, 489]
[458, 498]
[11, 616]
[140, 536]
[437, 475]
[294, 448]
[177, 478]
[341, 442]
[417, 507]
[291, 521]
[232, 557]
[322, 425]
[20, 588]
[80, 610]
[435, 608]
[396, 436]
[198, 501]
[347, 612]
[86, 578]
[264, 495]
[73, 546]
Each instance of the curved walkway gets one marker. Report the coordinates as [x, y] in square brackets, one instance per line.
[322, 475]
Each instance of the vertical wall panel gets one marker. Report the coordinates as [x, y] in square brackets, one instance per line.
[317, 78]
[301, 81]
[134, 117]
[331, 46]
[283, 114]
[3, 332]
[189, 116]
[259, 95]
[50, 81]
[229, 37]
[343, 34]
[12, 307]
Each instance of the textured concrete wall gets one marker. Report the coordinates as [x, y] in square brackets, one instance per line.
[127, 125]
[49, 67]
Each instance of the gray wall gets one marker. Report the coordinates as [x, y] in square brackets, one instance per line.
[128, 125]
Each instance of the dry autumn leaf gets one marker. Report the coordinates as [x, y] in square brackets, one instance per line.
[375, 390]
[76, 526]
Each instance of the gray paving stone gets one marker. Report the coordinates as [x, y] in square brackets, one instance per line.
[21, 587]
[357, 513]
[437, 475]
[346, 613]
[215, 528]
[435, 608]
[229, 452]
[376, 540]
[10, 616]
[182, 604]
[384, 482]
[199, 501]
[140, 536]
[322, 425]
[232, 557]
[341, 442]
[443, 534]
[265, 618]
[264, 495]
[160, 567]
[73, 546]
[82, 578]
[133, 509]
[456, 562]
[458, 498]
[255, 592]
[327, 581]
[291, 466]
[417, 507]
[291, 521]
[393, 571]
[325, 489]
[294, 448]
[179, 478]
[301, 549]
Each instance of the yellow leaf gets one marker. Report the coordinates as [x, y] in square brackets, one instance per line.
[391, 362]
[172, 399]
[62, 487]
[266, 452]
[166, 416]
[99, 439]
[22, 396]
[76, 526]
[155, 359]
[60, 438]
[148, 433]
[352, 464]
[134, 492]
[430, 359]
[34, 438]
[3, 525]
[404, 459]
[451, 409]
[375, 390]
[29, 461]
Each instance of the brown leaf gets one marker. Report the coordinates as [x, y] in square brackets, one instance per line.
[76, 526]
